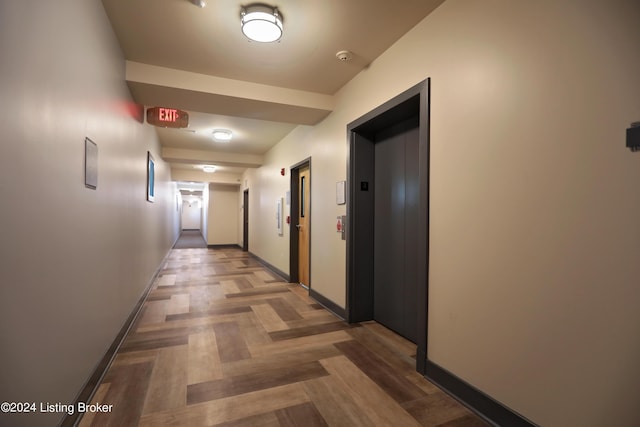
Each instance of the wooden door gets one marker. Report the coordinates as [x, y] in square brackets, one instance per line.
[304, 223]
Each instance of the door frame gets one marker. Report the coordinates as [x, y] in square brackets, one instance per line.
[293, 214]
[360, 213]
[245, 220]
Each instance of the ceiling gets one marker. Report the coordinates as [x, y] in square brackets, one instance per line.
[179, 55]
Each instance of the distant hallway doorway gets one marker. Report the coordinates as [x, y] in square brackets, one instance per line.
[191, 215]
[245, 221]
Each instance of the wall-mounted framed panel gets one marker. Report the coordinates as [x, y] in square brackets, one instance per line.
[90, 164]
[151, 175]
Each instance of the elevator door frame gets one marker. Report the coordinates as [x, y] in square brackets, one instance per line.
[360, 213]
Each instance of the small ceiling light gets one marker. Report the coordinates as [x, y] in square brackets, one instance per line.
[261, 23]
[222, 135]
[209, 169]
[199, 3]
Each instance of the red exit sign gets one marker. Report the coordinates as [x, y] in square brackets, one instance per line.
[167, 117]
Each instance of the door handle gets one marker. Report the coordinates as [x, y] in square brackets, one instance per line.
[299, 226]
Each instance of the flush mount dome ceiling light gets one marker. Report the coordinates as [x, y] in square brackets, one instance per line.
[222, 135]
[261, 23]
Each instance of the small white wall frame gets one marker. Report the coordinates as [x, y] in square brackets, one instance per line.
[341, 195]
[279, 216]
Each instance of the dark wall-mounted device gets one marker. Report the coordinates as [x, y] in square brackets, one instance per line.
[633, 137]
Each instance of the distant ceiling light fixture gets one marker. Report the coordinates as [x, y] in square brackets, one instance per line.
[261, 23]
[209, 169]
[222, 135]
[199, 3]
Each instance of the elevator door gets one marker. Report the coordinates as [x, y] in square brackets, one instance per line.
[396, 194]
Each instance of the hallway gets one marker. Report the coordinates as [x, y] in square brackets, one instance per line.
[222, 341]
[527, 238]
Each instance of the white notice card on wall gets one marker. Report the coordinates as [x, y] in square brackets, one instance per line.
[341, 192]
[279, 216]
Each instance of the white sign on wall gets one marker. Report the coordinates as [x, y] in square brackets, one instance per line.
[279, 216]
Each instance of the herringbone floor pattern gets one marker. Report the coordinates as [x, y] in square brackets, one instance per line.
[222, 341]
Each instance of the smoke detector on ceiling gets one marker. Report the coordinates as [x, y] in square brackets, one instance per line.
[344, 55]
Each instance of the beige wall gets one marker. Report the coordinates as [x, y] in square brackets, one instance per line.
[535, 235]
[266, 185]
[223, 215]
[73, 261]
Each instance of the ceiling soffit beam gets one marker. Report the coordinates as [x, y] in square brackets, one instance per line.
[180, 155]
[199, 176]
[152, 95]
[141, 76]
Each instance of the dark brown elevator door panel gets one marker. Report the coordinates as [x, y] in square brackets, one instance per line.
[396, 228]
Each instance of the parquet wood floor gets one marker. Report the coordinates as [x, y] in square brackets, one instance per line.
[222, 341]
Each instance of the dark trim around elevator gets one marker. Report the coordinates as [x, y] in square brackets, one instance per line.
[414, 102]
